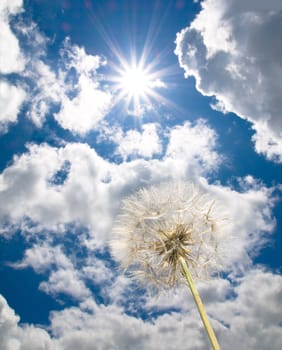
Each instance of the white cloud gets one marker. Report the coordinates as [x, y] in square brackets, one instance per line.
[233, 50]
[63, 275]
[114, 330]
[215, 290]
[89, 105]
[11, 58]
[48, 91]
[267, 143]
[249, 221]
[11, 99]
[63, 278]
[93, 188]
[75, 89]
[254, 314]
[38, 79]
[134, 143]
[83, 198]
[83, 112]
[97, 271]
[249, 319]
[14, 337]
[90, 194]
[74, 86]
[44, 257]
[65, 281]
[193, 144]
[77, 58]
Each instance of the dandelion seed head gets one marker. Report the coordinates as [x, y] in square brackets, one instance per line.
[158, 225]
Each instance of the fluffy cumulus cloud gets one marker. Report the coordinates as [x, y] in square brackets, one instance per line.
[74, 88]
[234, 52]
[46, 91]
[83, 112]
[11, 57]
[257, 319]
[72, 192]
[13, 337]
[74, 184]
[50, 188]
[63, 278]
[242, 321]
[57, 195]
[11, 99]
[193, 144]
[84, 103]
[11, 61]
[133, 143]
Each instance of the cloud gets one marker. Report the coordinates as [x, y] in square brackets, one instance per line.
[25, 337]
[233, 50]
[193, 144]
[74, 89]
[50, 191]
[83, 112]
[84, 102]
[11, 100]
[22, 53]
[254, 314]
[11, 57]
[46, 90]
[114, 330]
[77, 58]
[251, 317]
[11, 61]
[97, 271]
[91, 188]
[38, 186]
[43, 258]
[67, 282]
[144, 144]
[66, 273]
[63, 277]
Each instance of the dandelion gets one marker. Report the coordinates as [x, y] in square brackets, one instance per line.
[167, 235]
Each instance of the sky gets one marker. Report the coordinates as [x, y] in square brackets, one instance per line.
[101, 98]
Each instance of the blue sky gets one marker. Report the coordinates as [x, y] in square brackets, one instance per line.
[101, 98]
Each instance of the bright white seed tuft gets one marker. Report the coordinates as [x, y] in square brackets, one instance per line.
[159, 225]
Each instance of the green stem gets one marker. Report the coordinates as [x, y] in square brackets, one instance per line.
[200, 305]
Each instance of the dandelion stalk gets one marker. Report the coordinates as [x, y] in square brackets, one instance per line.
[199, 305]
[169, 233]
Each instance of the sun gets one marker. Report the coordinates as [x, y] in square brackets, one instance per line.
[137, 84]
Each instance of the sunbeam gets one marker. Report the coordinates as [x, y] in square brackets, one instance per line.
[137, 83]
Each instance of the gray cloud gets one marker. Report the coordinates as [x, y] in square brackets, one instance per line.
[233, 50]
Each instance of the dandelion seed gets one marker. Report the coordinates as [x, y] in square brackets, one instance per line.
[167, 235]
[158, 225]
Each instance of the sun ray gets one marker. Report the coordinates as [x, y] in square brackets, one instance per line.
[140, 80]
[137, 82]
